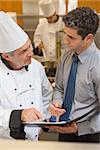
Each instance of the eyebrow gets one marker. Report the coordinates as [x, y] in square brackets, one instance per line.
[69, 35]
[26, 48]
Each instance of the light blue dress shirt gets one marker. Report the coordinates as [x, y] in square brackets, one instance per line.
[87, 90]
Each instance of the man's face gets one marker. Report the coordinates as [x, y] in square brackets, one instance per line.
[73, 41]
[22, 56]
[52, 18]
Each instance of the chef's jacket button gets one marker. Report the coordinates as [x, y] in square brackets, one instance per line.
[36, 135]
[91, 130]
[31, 102]
[15, 89]
[20, 105]
[7, 73]
[30, 85]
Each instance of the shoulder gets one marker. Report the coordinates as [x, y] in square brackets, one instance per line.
[95, 67]
[40, 26]
[94, 63]
[96, 53]
[61, 21]
[97, 57]
[42, 22]
[60, 24]
[37, 68]
[35, 63]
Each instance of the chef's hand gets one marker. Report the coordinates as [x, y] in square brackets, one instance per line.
[31, 114]
[56, 110]
[68, 129]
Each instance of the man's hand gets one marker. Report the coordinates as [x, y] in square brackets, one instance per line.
[71, 128]
[56, 110]
[31, 114]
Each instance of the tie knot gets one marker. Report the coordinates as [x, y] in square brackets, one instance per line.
[75, 58]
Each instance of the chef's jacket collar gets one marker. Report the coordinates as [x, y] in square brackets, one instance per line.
[8, 66]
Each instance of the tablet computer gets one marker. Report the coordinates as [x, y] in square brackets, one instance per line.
[43, 123]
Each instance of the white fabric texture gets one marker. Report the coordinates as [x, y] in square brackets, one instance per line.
[32, 90]
[47, 7]
[12, 36]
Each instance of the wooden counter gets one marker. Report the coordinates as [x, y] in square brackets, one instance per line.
[42, 145]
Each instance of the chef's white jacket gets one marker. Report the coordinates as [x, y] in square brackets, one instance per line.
[23, 89]
[46, 33]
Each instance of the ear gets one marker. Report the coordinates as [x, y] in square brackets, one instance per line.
[89, 37]
[6, 56]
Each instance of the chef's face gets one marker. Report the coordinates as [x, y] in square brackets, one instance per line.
[21, 57]
[52, 18]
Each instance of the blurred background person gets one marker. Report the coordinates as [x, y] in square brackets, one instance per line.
[45, 34]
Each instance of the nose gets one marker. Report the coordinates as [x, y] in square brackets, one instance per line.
[30, 51]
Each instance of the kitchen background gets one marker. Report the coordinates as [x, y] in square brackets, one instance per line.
[28, 15]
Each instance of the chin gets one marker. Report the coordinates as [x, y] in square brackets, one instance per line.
[28, 62]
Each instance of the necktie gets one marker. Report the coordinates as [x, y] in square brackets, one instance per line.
[70, 90]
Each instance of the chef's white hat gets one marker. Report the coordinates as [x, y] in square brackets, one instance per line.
[12, 36]
[47, 7]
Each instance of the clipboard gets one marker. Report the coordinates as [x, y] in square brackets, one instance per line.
[43, 123]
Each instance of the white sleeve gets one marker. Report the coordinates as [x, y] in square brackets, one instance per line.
[4, 117]
[38, 33]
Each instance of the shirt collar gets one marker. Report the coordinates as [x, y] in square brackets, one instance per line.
[8, 66]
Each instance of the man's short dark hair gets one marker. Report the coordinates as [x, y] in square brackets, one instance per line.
[83, 19]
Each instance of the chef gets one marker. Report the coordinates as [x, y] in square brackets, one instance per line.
[45, 34]
[25, 92]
